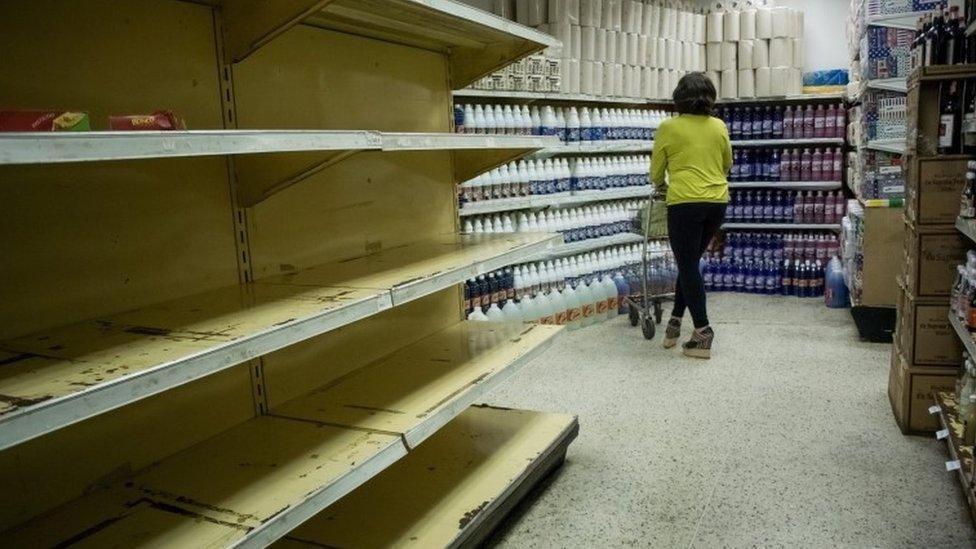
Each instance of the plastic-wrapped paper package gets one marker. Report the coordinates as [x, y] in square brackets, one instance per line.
[650, 59]
[588, 43]
[671, 23]
[618, 80]
[642, 46]
[716, 78]
[608, 78]
[681, 29]
[763, 82]
[618, 12]
[638, 25]
[796, 82]
[782, 23]
[729, 61]
[764, 23]
[713, 56]
[612, 53]
[628, 80]
[699, 37]
[746, 53]
[779, 80]
[531, 12]
[562, 32]
[622, 48]
[781, 52]
[504, 8]
[564, 10]
[730, 80]
[586, 77]
[672, 49]
[799, 53]
[576, 41]
[649, 83]
[699, 50]
[599, 71]
[600, 49]
[799, 20]
[591, 13]
[688, 56]
[652, 20]
[573, 74]
[662, 53]
[664, 84]
[714, 25]
[760, 54]
[747, 25]
[730, 27]
[747, 83]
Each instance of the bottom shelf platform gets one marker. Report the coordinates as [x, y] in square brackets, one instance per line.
[956, 448]
[252, 484]
[453, 490]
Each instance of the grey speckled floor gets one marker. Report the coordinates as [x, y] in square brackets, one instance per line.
[784, 438]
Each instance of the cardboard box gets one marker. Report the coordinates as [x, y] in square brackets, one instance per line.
[923, 119]
[924, 335]
[911, 391]
[932, 189]
[931, 256]
[884, 232]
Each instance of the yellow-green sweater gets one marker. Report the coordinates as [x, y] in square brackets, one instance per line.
[695, 151]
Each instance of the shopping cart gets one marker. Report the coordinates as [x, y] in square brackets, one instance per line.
[656, 274]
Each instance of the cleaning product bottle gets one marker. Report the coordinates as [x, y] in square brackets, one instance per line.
[835, 289]
[477, 315]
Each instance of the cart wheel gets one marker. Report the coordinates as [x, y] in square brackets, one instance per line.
[648, 328]
[634, 316]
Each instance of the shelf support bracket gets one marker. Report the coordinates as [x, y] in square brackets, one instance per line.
[250, 24]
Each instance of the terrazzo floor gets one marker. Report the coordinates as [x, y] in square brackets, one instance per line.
[784, 438]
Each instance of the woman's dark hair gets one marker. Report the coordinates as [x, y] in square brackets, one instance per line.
[695, 94]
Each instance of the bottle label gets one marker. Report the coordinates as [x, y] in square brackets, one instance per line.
[549, 319]
[562, 317]
[601, 307]
[587, 310]
[574, 314]
[485, 301]
[946, 129]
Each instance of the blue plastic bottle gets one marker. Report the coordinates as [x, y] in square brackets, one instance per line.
[767, 123]
[736, 124]
[777, 123]
[774, 160]
[745, 215]
[729, 276]
[759, 286]
[718, 276]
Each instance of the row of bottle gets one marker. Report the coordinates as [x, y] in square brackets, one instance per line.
[575, 224]
[940, 39]
[576, 291]
[811, 207]
[962, 301]
[785, 122]
[779, 246]
[569, 124]
[967, 202]
[787, 165]
[966, 401]
[801, 278]
[550, 176]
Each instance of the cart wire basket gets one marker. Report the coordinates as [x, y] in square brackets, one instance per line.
[652, 281]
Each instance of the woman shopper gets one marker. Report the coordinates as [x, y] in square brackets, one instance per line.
[693, 149]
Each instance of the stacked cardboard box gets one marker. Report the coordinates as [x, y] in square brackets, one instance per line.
[926, 355]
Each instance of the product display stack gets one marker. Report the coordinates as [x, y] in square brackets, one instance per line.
[756, 51]
[237, 319]
[927, 355]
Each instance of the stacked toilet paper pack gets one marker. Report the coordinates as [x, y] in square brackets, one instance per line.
[618, 48]
[754, 51]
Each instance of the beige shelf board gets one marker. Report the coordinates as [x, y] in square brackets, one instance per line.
[55, 378]
[473, 154]
[254, 483]
[475, 42]
[458, 484]
[553, 200]
[420, 388]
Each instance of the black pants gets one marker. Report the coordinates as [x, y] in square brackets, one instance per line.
[690, 228]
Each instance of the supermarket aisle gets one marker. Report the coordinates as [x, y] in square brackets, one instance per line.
[784, 438]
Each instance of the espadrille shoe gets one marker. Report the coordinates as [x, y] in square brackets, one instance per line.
[672, 333]
[700, 344]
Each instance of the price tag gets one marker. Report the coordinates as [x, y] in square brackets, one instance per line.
[934, 409]
[939, 435]
[953, 465]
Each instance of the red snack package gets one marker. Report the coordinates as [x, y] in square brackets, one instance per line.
[159, 120]
[44, 121]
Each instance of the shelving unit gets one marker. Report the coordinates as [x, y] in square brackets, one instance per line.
[529, 96]
[556, 200]
[59, 377]
[371, 419]
[894, 146]
[964, 334]
[788, 185]
[213, 335]
[596, 147]
[590, 245]
[955, 448]
[789, 142]
[782, 226]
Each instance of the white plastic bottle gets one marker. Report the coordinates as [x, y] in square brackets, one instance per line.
[477, 315]
[610, 291]
[574, 310]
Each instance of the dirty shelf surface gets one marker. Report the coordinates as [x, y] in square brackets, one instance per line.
[438, 495]
[255, 482]
[55, 378]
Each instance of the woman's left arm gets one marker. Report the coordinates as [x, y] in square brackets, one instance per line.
[726, 150]
[659, 159]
